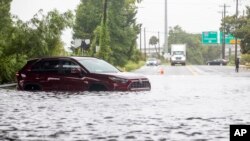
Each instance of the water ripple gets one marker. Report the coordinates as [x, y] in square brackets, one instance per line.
[167, 113]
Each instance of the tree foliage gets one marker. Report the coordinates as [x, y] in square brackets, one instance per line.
[22, 40]
[45, 33]
[88, 17]
[121, 27]
[154, 41]
[6, 62]
[240, 28]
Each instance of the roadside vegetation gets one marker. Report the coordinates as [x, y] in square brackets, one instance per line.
[111, 25]
[239, 26]
[131, 65]
[19, 41]
[112, 29]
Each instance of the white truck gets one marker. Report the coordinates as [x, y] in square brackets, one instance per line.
[178, 54]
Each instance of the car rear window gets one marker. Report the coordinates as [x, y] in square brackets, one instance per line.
[46, 66]
[29, 64]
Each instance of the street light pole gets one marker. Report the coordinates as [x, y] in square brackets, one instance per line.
[166, 27]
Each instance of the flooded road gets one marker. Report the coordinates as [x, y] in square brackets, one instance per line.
[188, 103]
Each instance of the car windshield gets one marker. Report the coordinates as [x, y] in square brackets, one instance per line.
[98, 66]
[151, 59]
[178, 53]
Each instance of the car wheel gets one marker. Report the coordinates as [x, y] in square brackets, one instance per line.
[32, 87]
[97, 87]
[221, 64]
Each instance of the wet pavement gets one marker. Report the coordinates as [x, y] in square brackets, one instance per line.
[189, 103]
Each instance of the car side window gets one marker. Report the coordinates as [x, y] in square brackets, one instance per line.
[37, 66]
[69, 67]
[47, 66]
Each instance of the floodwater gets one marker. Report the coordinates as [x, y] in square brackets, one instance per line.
[178, 108]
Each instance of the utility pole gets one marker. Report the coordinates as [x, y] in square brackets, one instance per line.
[145, 43]
[159, 45]
[223, 31]
[105, 11]
[223, 37]
[140, 39]
[236, 17]
[166, 27]
[224, 34]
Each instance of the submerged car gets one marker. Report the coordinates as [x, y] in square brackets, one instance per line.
[152, 62]
[217, 62]
[77, 74]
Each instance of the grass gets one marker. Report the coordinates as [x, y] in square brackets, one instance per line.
[130, 66]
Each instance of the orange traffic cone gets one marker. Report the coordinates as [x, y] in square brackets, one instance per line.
[161, 71]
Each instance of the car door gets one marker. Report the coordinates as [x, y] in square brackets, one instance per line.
[215, 62]
[72, 76]
[47, 74]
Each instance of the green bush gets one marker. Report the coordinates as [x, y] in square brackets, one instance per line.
[245, 59]
[133, 65]
[231, 61]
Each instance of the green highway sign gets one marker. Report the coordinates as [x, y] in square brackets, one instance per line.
[214, 37]
[210, 37]
[228, 38]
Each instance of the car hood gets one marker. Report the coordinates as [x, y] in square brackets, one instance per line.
[125, 75]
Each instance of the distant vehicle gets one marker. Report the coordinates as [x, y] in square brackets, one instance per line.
[178, 54]
[77, 74]
[217, 62]
[152, 62]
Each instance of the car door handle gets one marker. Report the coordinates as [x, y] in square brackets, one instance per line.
[53, 78]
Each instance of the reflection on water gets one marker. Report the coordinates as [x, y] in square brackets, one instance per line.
[174, 109]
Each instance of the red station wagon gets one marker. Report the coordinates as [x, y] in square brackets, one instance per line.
[77, 74]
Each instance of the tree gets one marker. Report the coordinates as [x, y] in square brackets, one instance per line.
[88, 18]
[154, 41]
[239, 28]
[120, 26]
[104, 40]
[6, 62]
[38, 37]
[45, 35]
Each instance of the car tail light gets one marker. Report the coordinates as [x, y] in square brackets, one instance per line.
[20, 76]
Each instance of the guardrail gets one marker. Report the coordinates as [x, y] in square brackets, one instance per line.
[8, 85]
[245, 67]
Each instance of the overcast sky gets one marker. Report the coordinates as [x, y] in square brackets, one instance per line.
[194, 16]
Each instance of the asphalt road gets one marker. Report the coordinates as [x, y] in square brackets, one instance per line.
[186, 103]
[196, 70]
